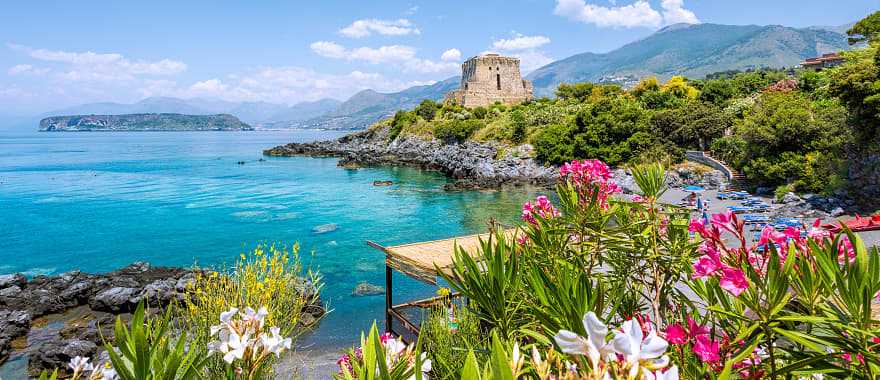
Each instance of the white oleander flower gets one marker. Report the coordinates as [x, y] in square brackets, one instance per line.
[274, 342]
[109, 373]
[640, 352]
[669, 374]
[226, 316]
[80, 364]
[234, 348]
[593, 346]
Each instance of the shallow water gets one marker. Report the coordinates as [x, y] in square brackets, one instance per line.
[99, 201]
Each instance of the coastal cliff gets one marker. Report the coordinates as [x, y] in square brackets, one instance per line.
[471, 164]
[143, 122]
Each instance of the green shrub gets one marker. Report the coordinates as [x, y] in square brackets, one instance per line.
[480, 112]
[427, 109]
[518, 127]
[554, 144]
[457, 130]
[148, 350]
[448, 342]
[401, 119]
[781, 190]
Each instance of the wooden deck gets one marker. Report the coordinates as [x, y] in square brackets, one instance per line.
[421, 260]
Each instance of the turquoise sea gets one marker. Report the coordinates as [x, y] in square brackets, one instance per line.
[99, 201]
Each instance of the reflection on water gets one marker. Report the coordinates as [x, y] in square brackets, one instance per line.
[99, 201]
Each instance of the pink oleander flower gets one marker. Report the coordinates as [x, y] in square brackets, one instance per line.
[817, 232]
[706, 349]
[733, 280]
[706, 266]
[769, 235]
[676, 334]
[695, 329]
[638, 198]
[845, 251]
[589, 173]
[542, 207]
[725, 221]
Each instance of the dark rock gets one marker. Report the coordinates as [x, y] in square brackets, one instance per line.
[13, 324]
[367, 289]
[471, 164]
[16, 279]
[790, 197]
[382, 183]
[58, 354]
[12, 291]
[115, 300]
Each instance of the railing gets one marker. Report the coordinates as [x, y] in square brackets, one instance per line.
[705, 159]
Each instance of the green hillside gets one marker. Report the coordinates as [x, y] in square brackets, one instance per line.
[693, 51]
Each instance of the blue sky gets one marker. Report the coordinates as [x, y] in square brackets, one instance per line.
[59, 53]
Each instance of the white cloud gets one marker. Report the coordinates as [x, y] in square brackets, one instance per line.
[529, 60]
[23, 69]
[520, 42]
[382, 54]
[328, 49]
[366, 27]
[451, 55]
[402, 56]
[674, 12]
[88, 67]
[637, 14]
[412, 10]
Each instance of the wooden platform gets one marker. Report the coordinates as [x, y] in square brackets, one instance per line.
[421, 260]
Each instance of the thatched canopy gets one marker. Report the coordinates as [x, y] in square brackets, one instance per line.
[418, 260]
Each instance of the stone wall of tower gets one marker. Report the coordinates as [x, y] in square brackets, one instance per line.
[491, 78]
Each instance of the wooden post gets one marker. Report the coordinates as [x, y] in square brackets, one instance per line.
[388, 301]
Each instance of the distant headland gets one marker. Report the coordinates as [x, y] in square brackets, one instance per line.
[143, 122]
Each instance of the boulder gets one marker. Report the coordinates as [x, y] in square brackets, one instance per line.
[16, 279]
[625, 181]
[790, 197]
[115, 300]
[367, 289]
[57, 354]
[13, 324]
[837, 211]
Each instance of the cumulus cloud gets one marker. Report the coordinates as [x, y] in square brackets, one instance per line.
[526, 48]
[529, 60]
[520, 42]
[280, 84]
[91, 67]
[451, 55]
[403, 57]
[23, 69]
[674, 12]
[382, 54]
[366, 27]
[637, 14]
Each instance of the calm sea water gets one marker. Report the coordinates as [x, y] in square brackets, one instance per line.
[99, 201]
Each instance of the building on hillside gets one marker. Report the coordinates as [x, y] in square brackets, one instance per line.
[490, 78]
[823, 62]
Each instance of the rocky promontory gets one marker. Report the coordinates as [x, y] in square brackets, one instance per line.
[471, 164]
[142, 122]
[48, 320]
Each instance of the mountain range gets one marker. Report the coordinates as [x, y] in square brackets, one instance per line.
[692, 50]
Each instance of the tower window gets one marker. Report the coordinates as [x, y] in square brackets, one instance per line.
[498, 81]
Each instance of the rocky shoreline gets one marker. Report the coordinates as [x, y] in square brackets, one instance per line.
[472, 165]
[50, 319]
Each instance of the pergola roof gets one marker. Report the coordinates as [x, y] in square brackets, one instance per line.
[418, 260]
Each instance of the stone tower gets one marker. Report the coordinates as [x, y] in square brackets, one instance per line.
[490, 78]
